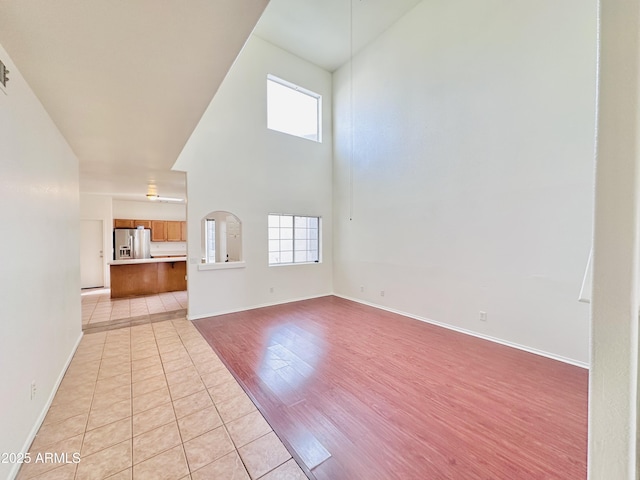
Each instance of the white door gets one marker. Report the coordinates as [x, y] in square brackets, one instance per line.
[91, 261]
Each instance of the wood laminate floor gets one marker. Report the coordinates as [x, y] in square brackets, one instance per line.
[359, 393]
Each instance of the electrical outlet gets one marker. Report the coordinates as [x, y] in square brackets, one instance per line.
[483, 316]
[382, 293]
[361, 288]
[270, 289]
[33, 390]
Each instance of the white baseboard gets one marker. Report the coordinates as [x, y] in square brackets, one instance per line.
[253, 307]
[45, 409]
[535, 351]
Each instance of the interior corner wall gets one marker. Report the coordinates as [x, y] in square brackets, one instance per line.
[235, 164]
[40, 275]
[471, 183]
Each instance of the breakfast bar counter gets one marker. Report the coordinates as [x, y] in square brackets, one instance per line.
[148, 276]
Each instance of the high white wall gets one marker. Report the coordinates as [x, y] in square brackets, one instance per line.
[40, 274]
[472, 176]
[149, 210]
[235, 164]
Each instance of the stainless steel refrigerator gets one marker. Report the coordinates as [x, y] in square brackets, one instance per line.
[129, 243]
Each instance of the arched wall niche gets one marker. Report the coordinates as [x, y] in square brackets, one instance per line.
[221, 237]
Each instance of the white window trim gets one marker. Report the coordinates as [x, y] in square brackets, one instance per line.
[313, 262]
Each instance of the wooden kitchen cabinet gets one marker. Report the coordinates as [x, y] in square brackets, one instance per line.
[127, 223]
[161, 230]
[134, 280]
[142, 223]
[172, 276]
[122, 223]
[131, 280]
[174, 231]
[158, 231]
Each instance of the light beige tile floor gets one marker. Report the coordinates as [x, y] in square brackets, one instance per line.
[154, 401]
[98, 307]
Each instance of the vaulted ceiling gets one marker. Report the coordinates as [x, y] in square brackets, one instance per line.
[126, 82]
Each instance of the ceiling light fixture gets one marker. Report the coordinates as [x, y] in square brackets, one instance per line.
[158, 198]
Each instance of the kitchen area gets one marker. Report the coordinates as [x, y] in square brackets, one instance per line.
[127, 276]
[102, 254]
[149, 257]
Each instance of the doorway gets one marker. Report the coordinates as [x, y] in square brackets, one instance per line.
[91, 254]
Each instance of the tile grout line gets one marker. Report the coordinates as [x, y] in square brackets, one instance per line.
[184, 452]
[93, 395]
[131, 394]
[224, 425]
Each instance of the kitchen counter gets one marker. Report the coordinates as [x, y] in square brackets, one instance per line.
[147, 276]
[135, 261]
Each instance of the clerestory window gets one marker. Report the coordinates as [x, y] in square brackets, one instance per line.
[293, 110]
